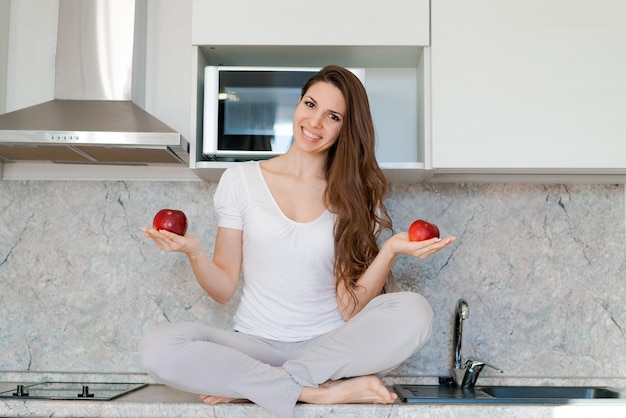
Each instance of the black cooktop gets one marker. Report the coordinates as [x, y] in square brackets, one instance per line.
[97, 391]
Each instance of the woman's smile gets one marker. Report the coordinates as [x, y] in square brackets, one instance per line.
[310, 135]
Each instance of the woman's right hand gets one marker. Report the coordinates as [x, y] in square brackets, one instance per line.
[171, 242]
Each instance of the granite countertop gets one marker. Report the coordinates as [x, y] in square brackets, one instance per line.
[157, 400]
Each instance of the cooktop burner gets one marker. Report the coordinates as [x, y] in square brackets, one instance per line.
[72, 390]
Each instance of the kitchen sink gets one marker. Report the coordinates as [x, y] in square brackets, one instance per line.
[551, 392]
[414, 393]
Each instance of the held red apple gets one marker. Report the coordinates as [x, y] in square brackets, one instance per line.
[421, 230]
[171, 220]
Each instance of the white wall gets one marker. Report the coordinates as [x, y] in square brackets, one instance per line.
[168, 63]
[31, 52]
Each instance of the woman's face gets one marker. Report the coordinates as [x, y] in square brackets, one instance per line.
[319, 117]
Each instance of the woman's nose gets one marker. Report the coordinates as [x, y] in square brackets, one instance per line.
[316, 119]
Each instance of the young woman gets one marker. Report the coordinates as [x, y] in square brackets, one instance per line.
[314, 323]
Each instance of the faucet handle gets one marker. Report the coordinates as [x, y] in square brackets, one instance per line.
[477, 365]
[466, 377]
[472, 370]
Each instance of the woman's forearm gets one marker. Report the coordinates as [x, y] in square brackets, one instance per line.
[219, 276]
[369, 285]
[214, 280]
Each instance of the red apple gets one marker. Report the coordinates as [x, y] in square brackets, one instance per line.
[171, 220]
[421, 230]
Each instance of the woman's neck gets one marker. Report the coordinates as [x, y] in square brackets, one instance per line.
[299, 165]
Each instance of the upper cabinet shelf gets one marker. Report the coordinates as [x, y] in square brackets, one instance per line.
[394, 80]
[324, 22]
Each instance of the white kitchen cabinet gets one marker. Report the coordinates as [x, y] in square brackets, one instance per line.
[529, 86]
[386, 39]
[323, 22]
[5, 10]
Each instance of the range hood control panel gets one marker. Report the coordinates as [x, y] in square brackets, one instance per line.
[63, 137]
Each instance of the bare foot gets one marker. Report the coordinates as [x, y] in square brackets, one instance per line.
[362, 389]
[213, 400]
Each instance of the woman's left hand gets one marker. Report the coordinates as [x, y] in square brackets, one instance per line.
[401, 244]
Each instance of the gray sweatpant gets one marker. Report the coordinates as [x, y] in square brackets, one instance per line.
[196, 358]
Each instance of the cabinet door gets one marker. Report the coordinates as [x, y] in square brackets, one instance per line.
[5, 10]
[322, 22]
[529, 84]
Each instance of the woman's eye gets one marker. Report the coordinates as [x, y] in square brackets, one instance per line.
[309, 104]
[334, 117]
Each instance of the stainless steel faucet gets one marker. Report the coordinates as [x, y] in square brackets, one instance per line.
[462, 313]
[465, 374]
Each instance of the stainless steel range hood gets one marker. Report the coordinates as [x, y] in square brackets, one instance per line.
[93, 117]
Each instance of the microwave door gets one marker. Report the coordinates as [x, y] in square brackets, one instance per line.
[211, 110]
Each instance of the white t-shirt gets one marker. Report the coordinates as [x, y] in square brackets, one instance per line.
[289, 287]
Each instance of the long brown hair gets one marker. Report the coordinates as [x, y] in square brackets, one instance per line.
[356, 186]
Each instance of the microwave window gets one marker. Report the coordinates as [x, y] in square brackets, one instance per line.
[259, 111]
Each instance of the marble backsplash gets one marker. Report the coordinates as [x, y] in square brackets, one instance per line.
[541, 267]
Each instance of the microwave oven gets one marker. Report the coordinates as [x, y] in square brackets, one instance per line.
[248, 111]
